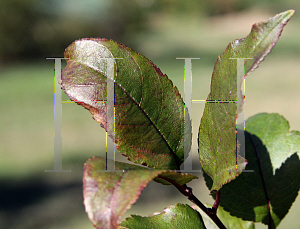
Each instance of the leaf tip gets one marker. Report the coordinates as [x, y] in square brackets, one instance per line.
[288, 14]
[291, 12]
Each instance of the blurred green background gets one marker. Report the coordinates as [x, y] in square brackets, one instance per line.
[31, 30]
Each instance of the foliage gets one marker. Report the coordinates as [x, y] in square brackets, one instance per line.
[34, 28]
[153, 128]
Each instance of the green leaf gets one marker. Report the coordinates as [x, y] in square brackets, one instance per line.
[266, 194]
[149, 111]
[217, 132]
[108, 195]
[229, 221]
[179, 216]
[179, 178]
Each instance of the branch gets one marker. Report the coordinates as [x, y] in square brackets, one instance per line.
[217, 202]
[187, 191]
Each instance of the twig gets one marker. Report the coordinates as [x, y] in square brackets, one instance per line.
[187, 191]
[217, 202]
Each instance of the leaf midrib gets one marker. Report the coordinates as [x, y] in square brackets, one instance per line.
[136, 103]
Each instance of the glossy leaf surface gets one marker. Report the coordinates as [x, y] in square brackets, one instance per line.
[229, 221]
[273, 152]
[108, 195]
[179, 216]
[149, 111]
[217, 133]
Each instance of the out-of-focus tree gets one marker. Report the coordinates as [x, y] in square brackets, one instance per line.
[217, 7]
[44, 28]
[201, 7]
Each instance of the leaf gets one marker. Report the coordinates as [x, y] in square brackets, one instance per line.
[230, 222]
[179, 216]
[217, 132]
[149, 111]
[266, 194]
[108, 195]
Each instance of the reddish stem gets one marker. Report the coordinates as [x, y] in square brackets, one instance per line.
[217, 202]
